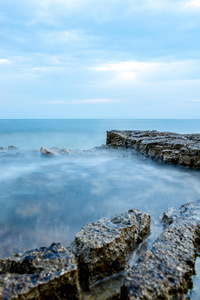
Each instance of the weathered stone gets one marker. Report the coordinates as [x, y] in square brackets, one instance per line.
[170, 148]
[46, 152]
[164, 271]
[102, 247]
[45, 273]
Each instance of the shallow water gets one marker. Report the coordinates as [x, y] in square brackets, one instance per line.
[49, 199]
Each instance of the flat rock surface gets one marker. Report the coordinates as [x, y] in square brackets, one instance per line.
[45, 273]
[164, 271]
[167, 147]
[102, 247]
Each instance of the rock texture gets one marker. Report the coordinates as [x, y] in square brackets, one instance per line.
[47, 273]
[102, 247]
[164, 271]
[167, 147]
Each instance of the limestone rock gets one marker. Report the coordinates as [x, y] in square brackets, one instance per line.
[167, 147]
[102, 247]
[164, 271]
[46, 152]
[45, 273]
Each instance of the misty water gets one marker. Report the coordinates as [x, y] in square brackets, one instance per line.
[43, 200]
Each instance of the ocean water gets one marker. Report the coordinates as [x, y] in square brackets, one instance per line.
[43, 200]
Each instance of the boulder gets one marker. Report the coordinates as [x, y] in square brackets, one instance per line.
[45, 273]
[46, 152]
[102, 248]
[164, 271]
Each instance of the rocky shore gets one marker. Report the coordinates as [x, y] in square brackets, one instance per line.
[167, 147]
[97, 264]
[101, 249]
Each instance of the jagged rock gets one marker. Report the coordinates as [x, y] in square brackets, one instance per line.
[45, 273]
[164, 271]
[12, 147]
[46, 152]
[167, 147]
[102, 247]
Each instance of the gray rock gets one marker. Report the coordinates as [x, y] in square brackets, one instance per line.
[46, 152]
[102, 248]
[164, 271]
[12, 147]
[47, 273]
[170, 148]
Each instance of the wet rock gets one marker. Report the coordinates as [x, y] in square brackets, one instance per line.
[46, 152]
[167, 147]
[164, 271]
[108, 289]
[47, 273]
[102, 248]
[12, 147]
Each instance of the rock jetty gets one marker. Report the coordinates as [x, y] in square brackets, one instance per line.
[164, 271]
[100, 249]
[167, 147]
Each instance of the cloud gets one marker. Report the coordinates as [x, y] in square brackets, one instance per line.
[193, 4]
[4, 61]
[55, 102]
[93, 101]
[134, 71]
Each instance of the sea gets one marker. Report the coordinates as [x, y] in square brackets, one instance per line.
[49, 199]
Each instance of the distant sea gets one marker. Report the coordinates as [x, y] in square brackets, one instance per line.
[43, 200]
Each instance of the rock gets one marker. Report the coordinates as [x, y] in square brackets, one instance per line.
[47, 273]
[66, 151]
[102, 248]
[167, 147]
[164, 271]
[2, 148]
[46, 152]
[12, 147]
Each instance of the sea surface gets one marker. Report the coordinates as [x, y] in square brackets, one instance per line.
[45, 200]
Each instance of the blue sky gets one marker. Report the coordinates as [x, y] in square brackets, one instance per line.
[99, 59]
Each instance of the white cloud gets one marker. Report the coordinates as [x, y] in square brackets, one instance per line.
[94, 101]
[193, 4]
[55, 102]
[134, 71]
[4, 61]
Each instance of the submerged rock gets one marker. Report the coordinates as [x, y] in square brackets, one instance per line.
[167, 147]
[164, 271]
[12, 147]
[46, 152]
[45, 273]
[103, 247]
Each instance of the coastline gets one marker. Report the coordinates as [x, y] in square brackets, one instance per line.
[188, 217]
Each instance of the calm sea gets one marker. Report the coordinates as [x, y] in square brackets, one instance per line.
[49, 199]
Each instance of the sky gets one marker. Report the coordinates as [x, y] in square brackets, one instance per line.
[127, 59]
